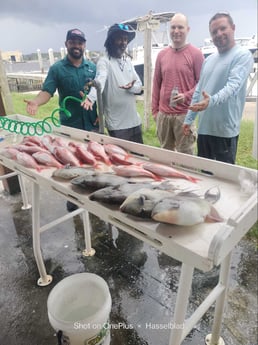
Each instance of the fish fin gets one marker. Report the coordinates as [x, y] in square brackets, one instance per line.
[142, 198]
[213, 216]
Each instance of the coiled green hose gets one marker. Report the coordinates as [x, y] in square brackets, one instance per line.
[39, 127]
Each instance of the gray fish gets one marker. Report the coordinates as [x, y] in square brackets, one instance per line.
[97, 181]
[117, 194]
[185, 211]
[70, 172]
[141, 202]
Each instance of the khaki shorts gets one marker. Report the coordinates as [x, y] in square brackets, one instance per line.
[171, 136]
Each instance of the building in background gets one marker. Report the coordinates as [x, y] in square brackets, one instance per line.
[12, 56]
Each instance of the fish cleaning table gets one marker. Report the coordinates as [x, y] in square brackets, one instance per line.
[202, 246]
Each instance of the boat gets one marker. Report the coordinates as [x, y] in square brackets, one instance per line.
[249, 43]
[153, 41]
[138, 57]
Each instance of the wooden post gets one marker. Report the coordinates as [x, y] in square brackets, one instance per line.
[11, 185]
[147, 76]
[148, 25]
[254, 152]
[40, 61]
[6, 98]
[2, 109]
[62, 52]
[51, 56]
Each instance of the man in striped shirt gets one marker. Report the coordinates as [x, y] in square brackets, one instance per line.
[178, 65]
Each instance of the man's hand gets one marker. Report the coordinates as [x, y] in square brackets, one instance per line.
[202, 105]
[179, 98]
[32, 107]
[86, 103]
[186, 129]
[155, 116]
[128, 86]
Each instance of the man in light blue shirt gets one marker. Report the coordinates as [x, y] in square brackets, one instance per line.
[222, 85]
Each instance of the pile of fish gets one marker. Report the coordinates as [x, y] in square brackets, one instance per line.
[160, 201]
[49, 151]
[108, 171]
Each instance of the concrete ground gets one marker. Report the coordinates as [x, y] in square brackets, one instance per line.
[142, 281]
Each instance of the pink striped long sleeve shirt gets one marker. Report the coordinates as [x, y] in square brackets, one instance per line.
[179, 68]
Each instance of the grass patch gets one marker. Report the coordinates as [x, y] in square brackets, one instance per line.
[43, 111]
[245, 145]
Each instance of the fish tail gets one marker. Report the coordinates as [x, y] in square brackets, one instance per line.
[139, 164]
[107, 161]
[158, 178]
[193, 179]
[97, 166]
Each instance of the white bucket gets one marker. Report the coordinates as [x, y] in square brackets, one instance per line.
[79, 308]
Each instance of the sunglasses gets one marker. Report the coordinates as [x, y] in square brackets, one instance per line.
[123, 27]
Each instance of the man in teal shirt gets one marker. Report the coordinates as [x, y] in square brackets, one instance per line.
[69, 77]
[222, 85]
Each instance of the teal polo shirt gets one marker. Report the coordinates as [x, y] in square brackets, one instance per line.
[69, 81]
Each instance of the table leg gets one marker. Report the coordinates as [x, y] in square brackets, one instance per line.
[44, 279]
[182, 300]
[214, 338]
[26, 204]
[87, 237]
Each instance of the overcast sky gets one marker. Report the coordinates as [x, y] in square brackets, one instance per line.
[42, 24]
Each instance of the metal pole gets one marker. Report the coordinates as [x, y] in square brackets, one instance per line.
[95, 83]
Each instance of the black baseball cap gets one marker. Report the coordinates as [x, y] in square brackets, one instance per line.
[75, 34]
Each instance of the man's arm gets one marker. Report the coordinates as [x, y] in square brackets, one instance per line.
[32, 105]
[236, 79]
[101, 77]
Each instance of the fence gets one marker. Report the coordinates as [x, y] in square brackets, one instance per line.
[25, 83]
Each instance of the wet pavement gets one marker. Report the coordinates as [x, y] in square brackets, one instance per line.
[142, 281]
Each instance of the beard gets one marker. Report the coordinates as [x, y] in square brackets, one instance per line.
[118, 51]
[75, 53]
